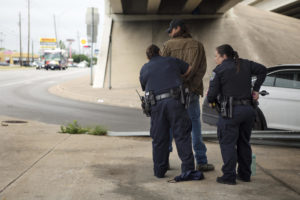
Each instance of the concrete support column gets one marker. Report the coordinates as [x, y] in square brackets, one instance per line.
[102, 60]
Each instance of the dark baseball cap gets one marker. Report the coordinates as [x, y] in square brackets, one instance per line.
[175, 23]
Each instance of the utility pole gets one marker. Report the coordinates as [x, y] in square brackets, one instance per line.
[28, 31]
[21, 59]
[55, 31]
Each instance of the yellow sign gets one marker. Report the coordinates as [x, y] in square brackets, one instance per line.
[83, 41]
[48, 40]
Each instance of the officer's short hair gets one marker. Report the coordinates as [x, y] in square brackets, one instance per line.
[152, 51]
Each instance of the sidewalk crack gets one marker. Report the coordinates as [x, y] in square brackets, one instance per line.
[278, 180]
[32, 165]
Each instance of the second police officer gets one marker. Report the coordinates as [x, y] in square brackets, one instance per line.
[161, 79]
[231, 85]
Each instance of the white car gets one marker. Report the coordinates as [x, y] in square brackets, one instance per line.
[279, 102]
[280, 97]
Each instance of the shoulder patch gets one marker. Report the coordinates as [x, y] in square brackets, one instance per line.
[213, 75]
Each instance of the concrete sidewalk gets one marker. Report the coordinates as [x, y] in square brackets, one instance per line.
[37, 162]
[80, 89]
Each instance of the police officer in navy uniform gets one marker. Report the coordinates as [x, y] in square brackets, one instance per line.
[232, 79]
[163, 76]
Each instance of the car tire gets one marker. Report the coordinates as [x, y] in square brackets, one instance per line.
[260, 121]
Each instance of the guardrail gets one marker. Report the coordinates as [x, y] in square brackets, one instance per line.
[269, 137]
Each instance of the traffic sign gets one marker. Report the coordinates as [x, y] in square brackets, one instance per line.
[92, 21]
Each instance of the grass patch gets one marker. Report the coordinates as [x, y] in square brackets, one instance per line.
[98, 130]
[75, 128]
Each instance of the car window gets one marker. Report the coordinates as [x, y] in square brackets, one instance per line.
[285, 79]
[269, 81]
[297, 82]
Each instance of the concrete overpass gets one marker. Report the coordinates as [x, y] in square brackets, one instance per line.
[131, 26]
[170, 7]
[286, 7]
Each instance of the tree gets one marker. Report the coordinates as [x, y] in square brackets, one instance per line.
[61, 45]
[77, 58]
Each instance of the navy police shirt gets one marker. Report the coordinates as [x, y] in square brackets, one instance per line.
[227, 81]
[161, 74]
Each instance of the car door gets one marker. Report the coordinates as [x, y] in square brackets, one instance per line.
[281, 104]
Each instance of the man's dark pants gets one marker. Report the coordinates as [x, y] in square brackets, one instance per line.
[234, 137]
[165, 115]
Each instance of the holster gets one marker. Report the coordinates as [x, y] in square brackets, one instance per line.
[149, 101]
[225, 106]
[185, 96]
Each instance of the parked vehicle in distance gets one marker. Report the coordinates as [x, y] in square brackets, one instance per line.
[55, 59]
[37, 65]
[279, 102]
[4, 64]
[82, 64]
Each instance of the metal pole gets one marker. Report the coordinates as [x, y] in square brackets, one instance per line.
[91, 63]
[28, 32]
[110, 55]
[21, 59]
[32, 52]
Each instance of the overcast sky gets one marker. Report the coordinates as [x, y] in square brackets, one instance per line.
[70, 20]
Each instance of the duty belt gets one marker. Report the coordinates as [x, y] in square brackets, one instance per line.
[163, 96]
[241, 102]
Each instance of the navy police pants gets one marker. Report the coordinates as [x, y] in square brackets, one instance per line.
[234, 138]
[165, 115]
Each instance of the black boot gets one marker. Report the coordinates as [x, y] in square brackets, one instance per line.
[225, 181]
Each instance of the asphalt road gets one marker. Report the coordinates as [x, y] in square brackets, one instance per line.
[24, 94]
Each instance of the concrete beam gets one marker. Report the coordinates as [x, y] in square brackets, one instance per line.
[190, 5]
[272, 4]
[116, 6]
[117, 17]
[153, 6]
[227, 5]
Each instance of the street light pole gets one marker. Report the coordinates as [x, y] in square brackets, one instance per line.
[21, 59]
[28, 32]
[91, 63]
